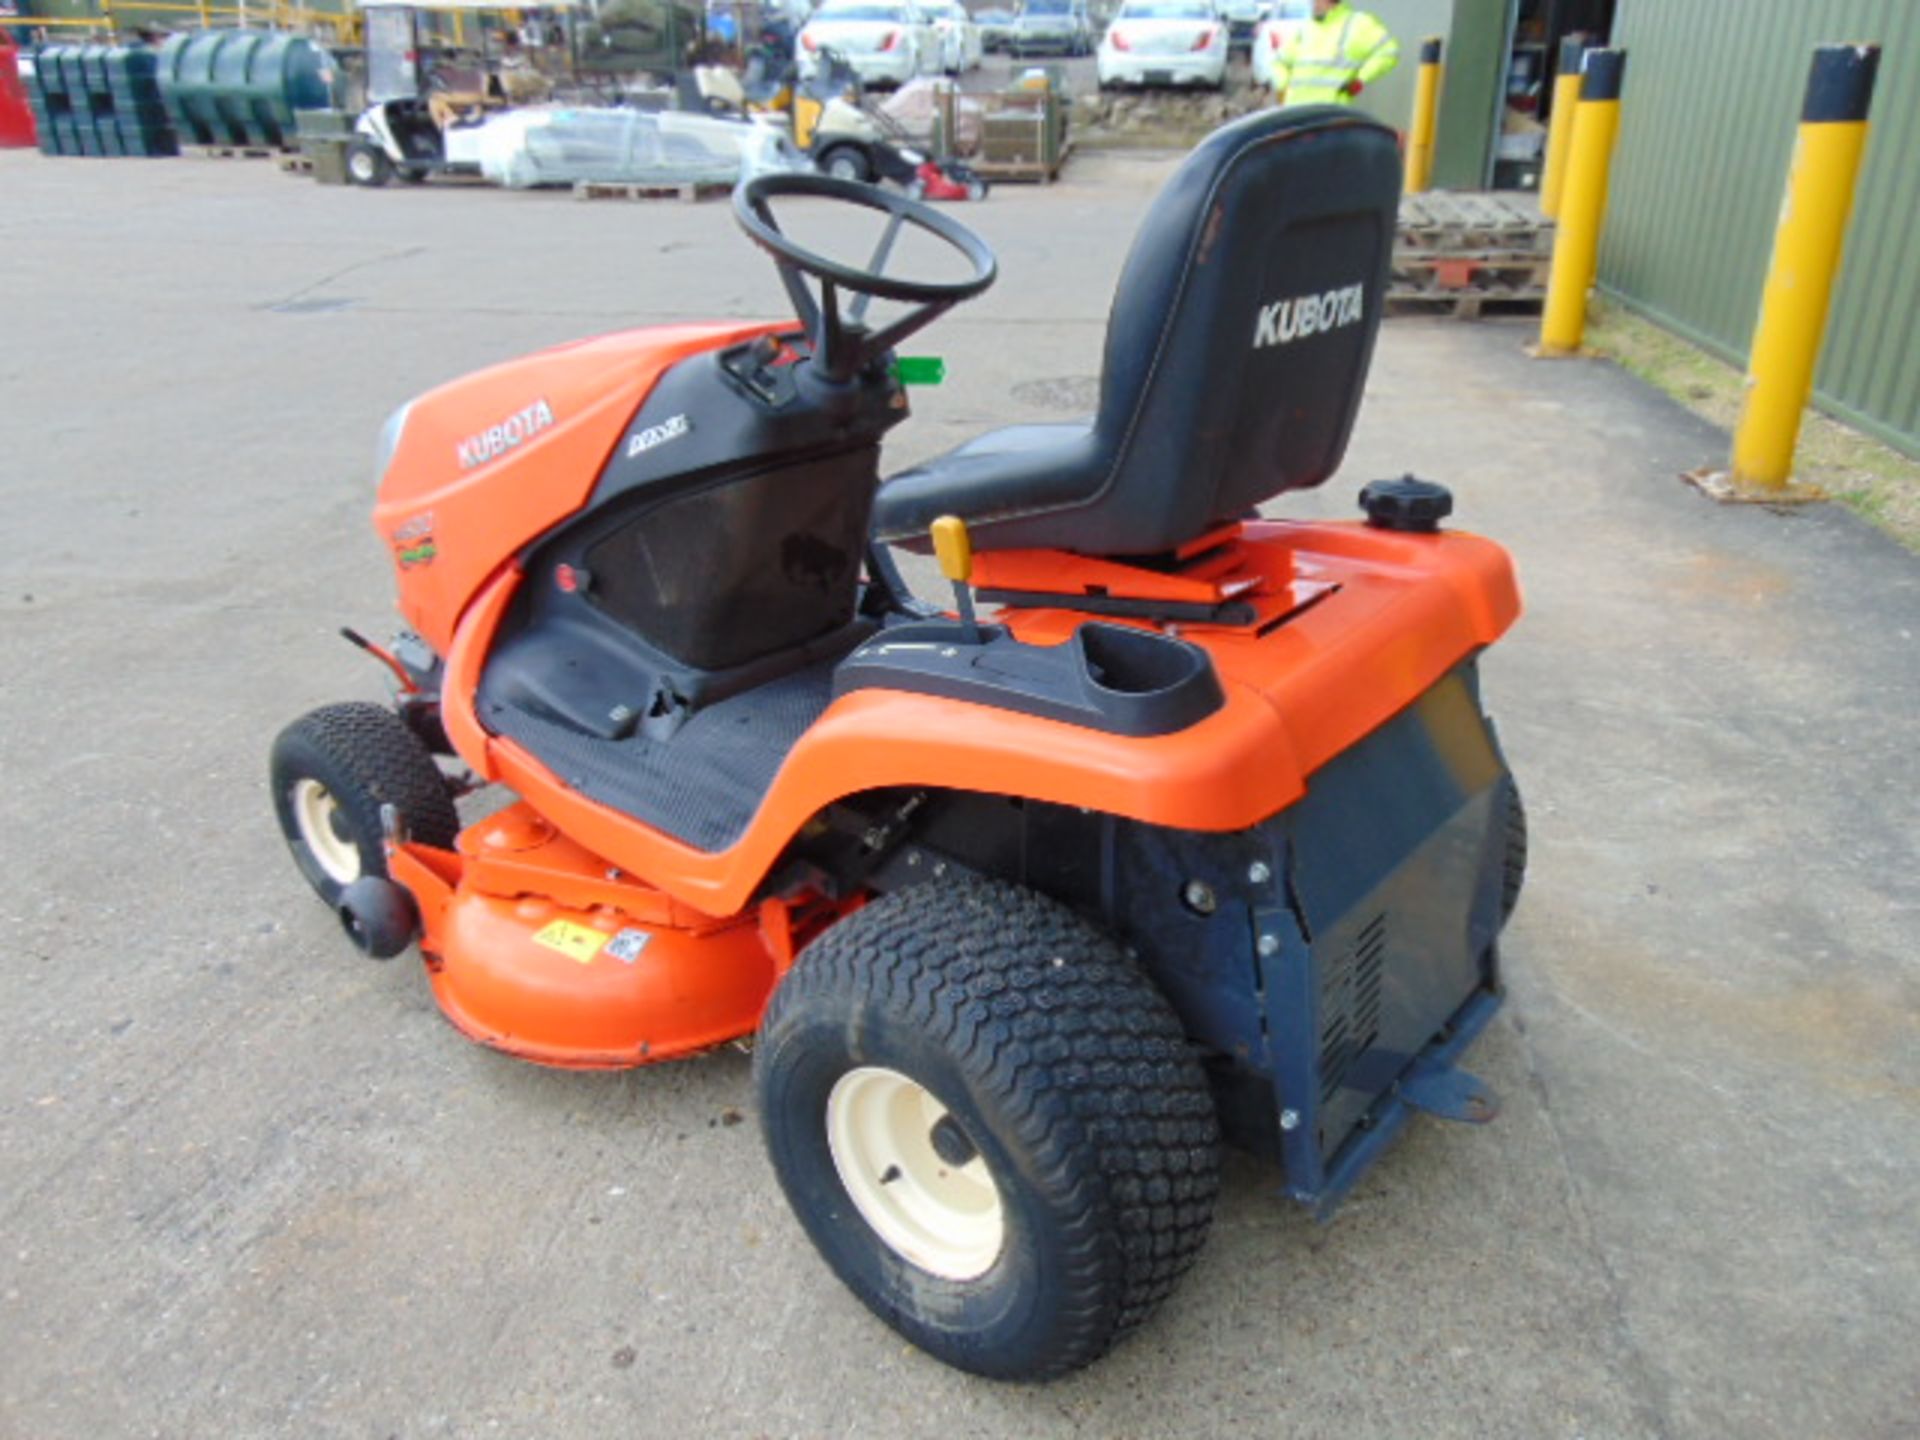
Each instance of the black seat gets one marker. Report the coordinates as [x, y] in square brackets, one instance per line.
[1236, 352]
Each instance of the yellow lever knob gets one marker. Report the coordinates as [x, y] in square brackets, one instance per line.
[954, 548]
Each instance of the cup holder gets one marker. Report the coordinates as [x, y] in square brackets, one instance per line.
[1136, 662]
[1114, 678]
[1150, 683]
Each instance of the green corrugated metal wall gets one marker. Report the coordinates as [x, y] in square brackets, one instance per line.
[1707, 122]
[1476, 33]
[1390, 98]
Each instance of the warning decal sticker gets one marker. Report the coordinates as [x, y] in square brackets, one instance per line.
[576, 942]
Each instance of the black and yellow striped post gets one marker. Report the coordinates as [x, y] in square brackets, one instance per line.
[1806, 257]
[1583, 201]
[1426, 107]
[1566, 99]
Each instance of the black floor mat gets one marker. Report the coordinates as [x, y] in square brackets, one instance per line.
[703, 785]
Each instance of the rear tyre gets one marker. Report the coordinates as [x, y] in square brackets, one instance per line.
[367, 164]
[331, 771]
[990, 1124]
[1514, 873]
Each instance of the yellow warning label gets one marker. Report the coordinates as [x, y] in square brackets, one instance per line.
[576, 942]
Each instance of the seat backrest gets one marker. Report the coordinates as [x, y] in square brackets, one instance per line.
[1242, 328]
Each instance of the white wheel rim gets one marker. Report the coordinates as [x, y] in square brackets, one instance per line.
[945, 1218]
[322, 825]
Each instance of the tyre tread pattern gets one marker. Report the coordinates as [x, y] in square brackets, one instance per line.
[1514, 872]
[387, 760]
[1084, 1058]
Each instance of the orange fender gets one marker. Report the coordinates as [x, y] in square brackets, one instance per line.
[1387, 615]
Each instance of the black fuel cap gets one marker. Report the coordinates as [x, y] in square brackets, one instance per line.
[1406, 504]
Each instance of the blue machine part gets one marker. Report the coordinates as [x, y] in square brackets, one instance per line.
[1339, 959]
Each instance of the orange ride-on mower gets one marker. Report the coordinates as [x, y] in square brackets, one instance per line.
[1196, 829]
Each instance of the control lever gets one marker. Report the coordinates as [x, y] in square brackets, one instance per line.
[954, 549]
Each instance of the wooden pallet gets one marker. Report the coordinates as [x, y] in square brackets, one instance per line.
[1461, 305]
[1449, 222]
[1509, 276]
[238, 152]
[627, 190]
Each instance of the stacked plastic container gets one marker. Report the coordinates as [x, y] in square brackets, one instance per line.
[140, 117]
[242, 88]
[97, 100]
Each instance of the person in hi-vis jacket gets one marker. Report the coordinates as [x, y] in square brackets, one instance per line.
[1332, 58]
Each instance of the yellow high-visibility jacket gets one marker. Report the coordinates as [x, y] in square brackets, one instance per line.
[1321, 57]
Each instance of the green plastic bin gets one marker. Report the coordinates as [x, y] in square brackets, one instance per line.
[242, 87]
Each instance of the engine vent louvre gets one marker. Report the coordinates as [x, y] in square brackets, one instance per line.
[1350, 1004]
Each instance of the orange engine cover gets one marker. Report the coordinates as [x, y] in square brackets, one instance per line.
[486, 463]
[534, 947]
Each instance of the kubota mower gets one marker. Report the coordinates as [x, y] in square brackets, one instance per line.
[1181, 824]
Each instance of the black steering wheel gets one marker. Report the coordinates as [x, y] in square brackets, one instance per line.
[842, 345]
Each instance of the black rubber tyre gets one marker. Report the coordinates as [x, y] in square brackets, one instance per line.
[379, 916]
[360, 757]
[1514, 875]
[846, 162]
[368, 164]
[1067, 1075]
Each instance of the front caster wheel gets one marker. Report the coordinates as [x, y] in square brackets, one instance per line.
[990, 1124]
[332, 770]
[367, 163]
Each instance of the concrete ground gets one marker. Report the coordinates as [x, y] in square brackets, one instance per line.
[251, 1185]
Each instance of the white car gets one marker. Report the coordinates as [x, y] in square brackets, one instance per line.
[1242, 17]
[959, 37]
[1270, 36]
[887, 41]
[1164, 42]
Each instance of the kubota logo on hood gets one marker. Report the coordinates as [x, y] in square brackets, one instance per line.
[496, 440]
[1285, 321]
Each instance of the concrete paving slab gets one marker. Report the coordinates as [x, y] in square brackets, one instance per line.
[251, 1185]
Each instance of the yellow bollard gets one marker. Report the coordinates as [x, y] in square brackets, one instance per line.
[1806, 257]
[1426, 105]
[1566, 100]
[1583, 202]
